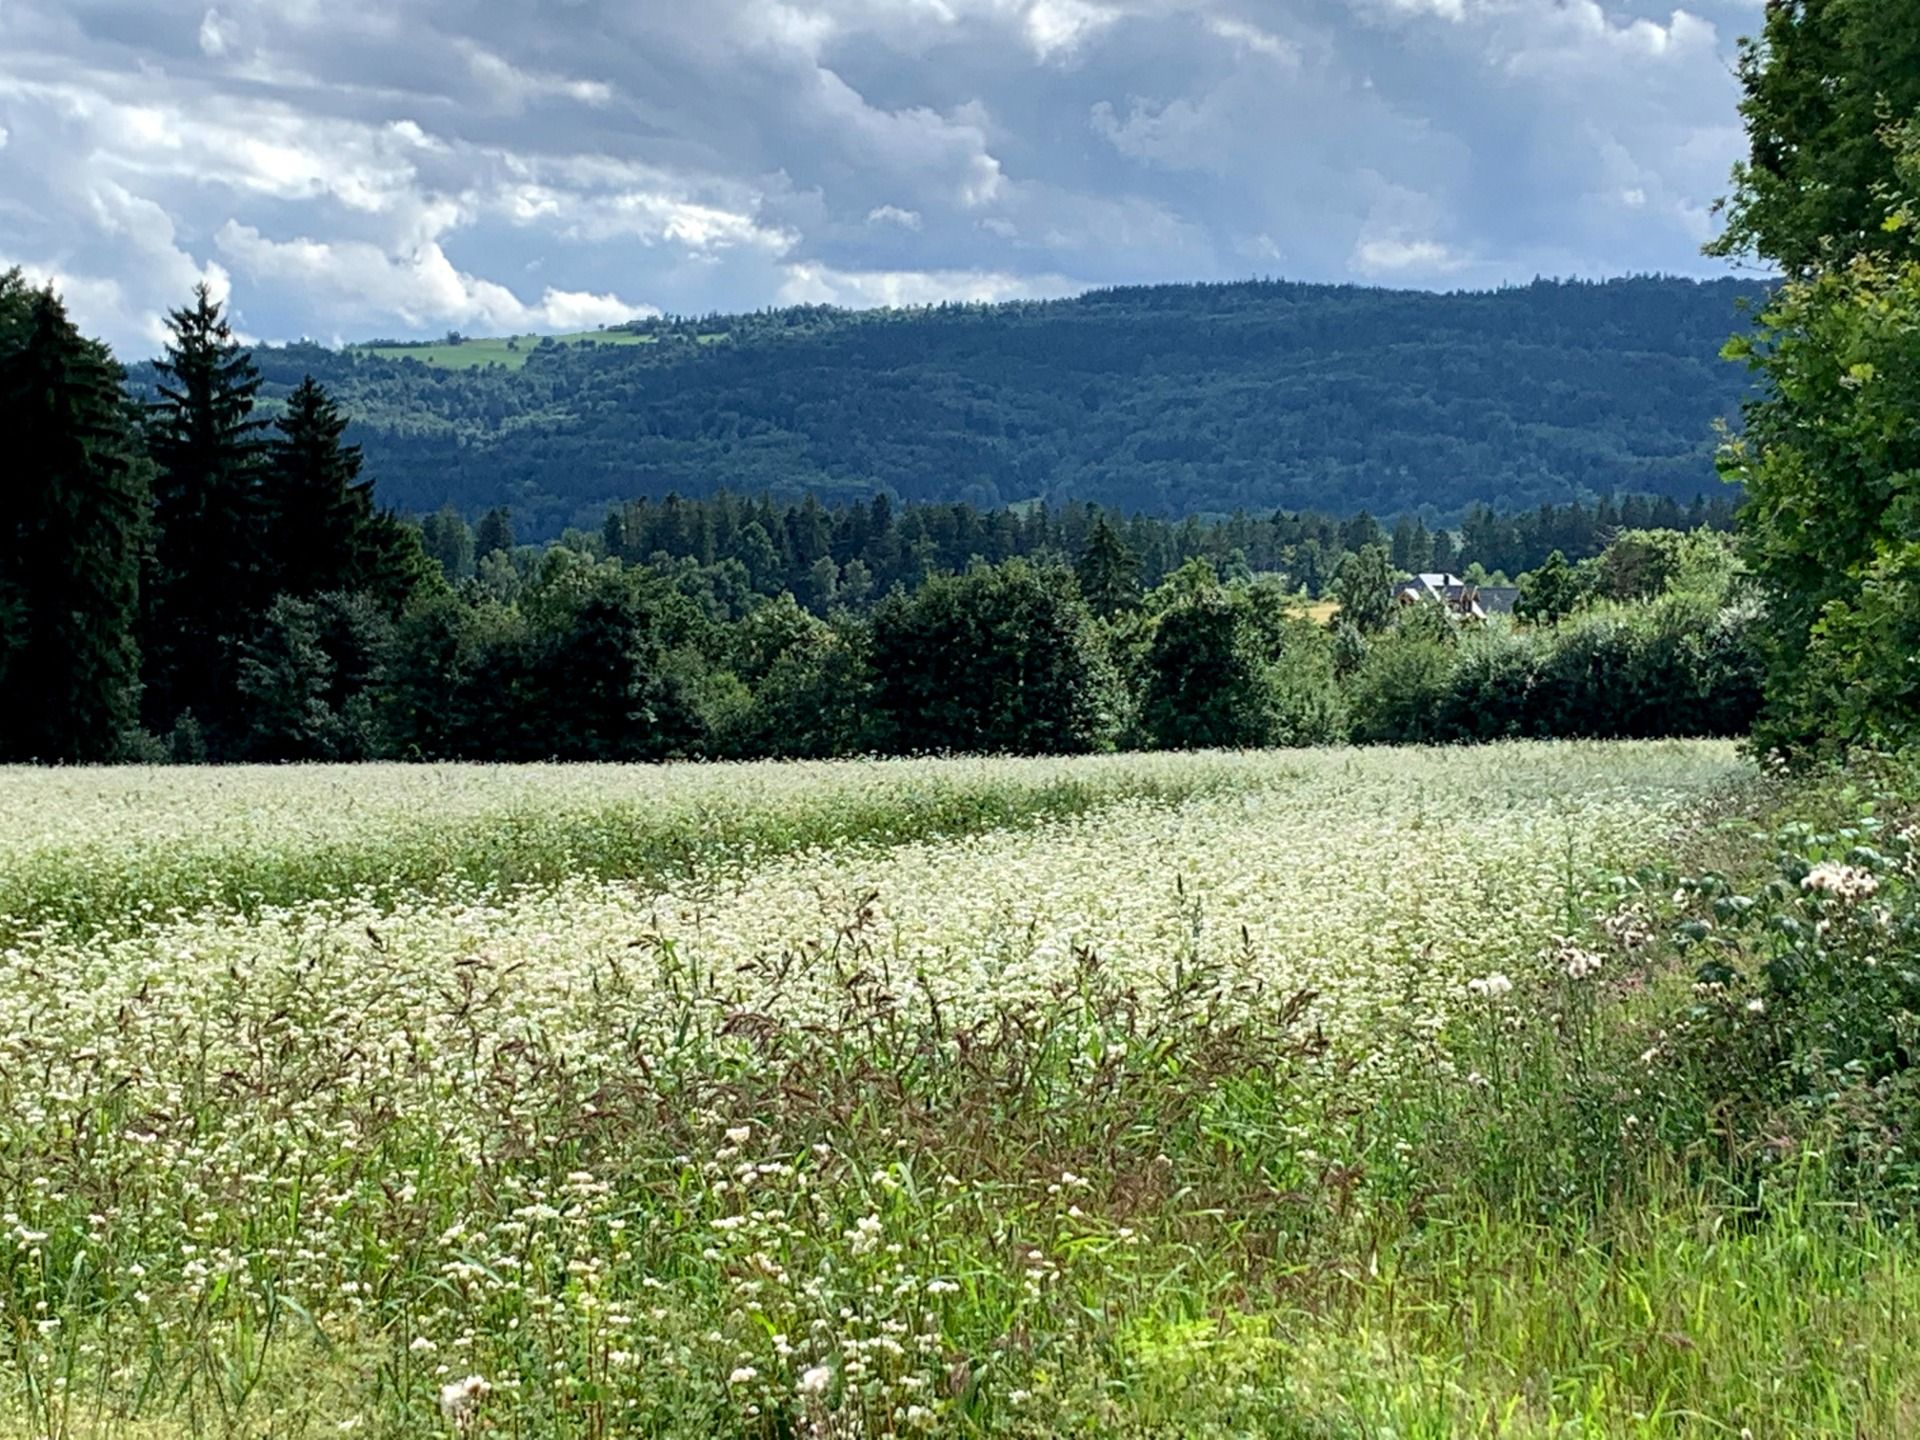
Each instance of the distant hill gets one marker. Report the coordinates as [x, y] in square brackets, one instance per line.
[1172, 400]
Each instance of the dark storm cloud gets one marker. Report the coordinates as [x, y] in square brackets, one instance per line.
[398, 166]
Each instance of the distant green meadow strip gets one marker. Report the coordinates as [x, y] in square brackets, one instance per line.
[107, 848]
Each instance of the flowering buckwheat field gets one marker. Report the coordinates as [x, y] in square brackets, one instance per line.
[1121, 1095]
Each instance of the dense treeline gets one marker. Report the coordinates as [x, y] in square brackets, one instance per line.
[194, 582]
[1171, 401]
[727, 552]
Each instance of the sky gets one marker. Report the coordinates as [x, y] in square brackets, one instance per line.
[345, 169]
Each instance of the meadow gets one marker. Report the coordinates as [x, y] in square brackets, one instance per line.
[1298, 1094]
[508, 351]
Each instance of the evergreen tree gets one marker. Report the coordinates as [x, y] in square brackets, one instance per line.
[318, 512]
[495, 534]
[1108, 571]
[70, 545]
[1405, 559]
[822, 585]
[205, 591]
[856, 584]
[613, 535]
[16, 308]
[448, 539]
[391, 565]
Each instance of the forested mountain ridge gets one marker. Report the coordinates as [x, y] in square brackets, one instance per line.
[1170, 400]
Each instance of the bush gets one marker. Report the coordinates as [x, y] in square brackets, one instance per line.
[1399, 690]
[1491, 695]
[1001, 660]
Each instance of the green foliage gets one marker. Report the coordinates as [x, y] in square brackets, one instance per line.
[1551, 593]
[1364, 589]
[207, 581]
[309, 677]
[1400, 689]
[317, 511]
[1830, 455]
[1682, 664]
[1206, 686]
[1137, 399]
[494, 535]
[448, 540]
[1830, 462]
[815, 700]
[1821, 81]
[1002, 660]
[599, 672]
[70, 541]
[1805, 1027]
[1108, 571]
[1642, 564]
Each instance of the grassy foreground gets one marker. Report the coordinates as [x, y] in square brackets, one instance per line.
[1347, 1094]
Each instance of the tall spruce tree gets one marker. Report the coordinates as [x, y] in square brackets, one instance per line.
[16, 302]
[71, 542]
[1108, 570]
[495, 534]
[318, 513]
[205, 590]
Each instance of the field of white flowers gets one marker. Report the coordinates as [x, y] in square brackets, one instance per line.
[939, 1097]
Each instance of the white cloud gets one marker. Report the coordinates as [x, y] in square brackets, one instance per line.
[423, 289]
[728, 154]
[1253, 38]
[213, 35]
[1381, 257]
[514, 88]
[813, 284]
[1055, 27]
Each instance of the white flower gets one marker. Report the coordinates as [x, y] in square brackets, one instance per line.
[816, 1380]
[739, 1134]
[1756, 1006]
[1490, 987]
[743, 1375]
[1843, 882]
[1579, 964]
[460, 1401]
[422, 1345]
